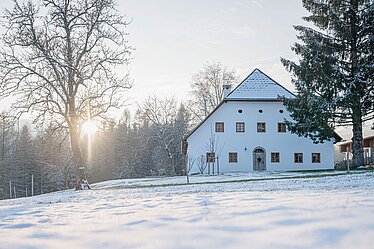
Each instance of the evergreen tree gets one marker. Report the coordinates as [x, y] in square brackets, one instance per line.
[8, 142]
[180, 129]
[54, 158]
[334, 76]
[24, 163]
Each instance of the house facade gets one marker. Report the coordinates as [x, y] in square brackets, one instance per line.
[246, 132]
[343, 150]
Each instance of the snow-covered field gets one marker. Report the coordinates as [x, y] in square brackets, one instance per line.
[326, 212]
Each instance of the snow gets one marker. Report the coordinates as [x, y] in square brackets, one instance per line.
[227, 177]
[258, 86]
[321, 212]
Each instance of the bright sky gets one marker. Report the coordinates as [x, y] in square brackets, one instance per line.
[175, 39]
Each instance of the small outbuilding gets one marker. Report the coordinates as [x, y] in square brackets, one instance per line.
[345, 147]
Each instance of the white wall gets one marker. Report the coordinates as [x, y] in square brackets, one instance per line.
[244, 143]
[338, 156]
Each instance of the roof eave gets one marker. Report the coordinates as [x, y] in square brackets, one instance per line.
[203, 121]
[225, 101]
[337, 138]
[254, 99]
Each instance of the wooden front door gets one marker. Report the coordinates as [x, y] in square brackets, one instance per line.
[259, 162]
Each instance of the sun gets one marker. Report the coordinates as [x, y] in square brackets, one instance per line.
[89, 127]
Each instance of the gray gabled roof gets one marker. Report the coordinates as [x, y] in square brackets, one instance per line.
[258, 86]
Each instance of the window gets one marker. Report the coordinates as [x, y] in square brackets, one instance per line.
[316, 157]
[240, 111]
[275, 157]
[281, 127]
[298, 158]
[210, 157]
[261, 127]
[260, 111]
[280, 111]
[220, 127]
[233, 157]
[240, 127]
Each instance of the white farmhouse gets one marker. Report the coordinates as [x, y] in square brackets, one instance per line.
[246, 132]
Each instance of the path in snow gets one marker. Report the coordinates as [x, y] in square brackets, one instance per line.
[328, 212]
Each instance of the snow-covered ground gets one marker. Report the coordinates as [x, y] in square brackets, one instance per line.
[325, 212]
[228, 177]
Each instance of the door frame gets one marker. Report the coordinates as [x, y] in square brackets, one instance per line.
[254, 158]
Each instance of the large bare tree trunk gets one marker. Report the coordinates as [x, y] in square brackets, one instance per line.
[77, 154]
[59, 60]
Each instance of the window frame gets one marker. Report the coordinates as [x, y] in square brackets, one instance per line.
[210, 157]
[278, 157]
[319, 157]
[219, 125]
[296, 158]
[232, 156]
[258, 126]
[239, 125]
[281, 125]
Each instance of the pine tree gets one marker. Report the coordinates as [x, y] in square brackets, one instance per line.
[180, 129]
[334, 76]
[24, 162]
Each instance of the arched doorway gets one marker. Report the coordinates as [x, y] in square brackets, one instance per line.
[259, 159]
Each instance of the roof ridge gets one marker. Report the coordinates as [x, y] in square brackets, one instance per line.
[242, 82]
[275, 82]
[248, 87]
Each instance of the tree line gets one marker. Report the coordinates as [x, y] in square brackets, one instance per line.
[38, 163]
[140, 144]
[59, 61]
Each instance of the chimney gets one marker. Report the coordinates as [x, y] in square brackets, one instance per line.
[226, 90]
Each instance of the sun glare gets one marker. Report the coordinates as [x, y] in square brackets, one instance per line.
[89, 127]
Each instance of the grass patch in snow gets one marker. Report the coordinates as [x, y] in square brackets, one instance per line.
[123, 186]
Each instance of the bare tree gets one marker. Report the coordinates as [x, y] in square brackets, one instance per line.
[214, 149]
[190, 162]
[207, 88]
[54, 159]
[161, 114]
[201, 164]
[59, 60]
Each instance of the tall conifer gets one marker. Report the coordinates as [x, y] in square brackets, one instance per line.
[335, 72]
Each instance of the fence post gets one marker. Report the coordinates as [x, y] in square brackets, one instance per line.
[10, 189]
[217, 165]
[32, 185]
[347, 161]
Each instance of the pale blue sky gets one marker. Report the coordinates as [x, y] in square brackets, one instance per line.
[174, 39]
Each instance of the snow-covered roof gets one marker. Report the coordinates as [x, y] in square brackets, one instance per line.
[258, 86]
